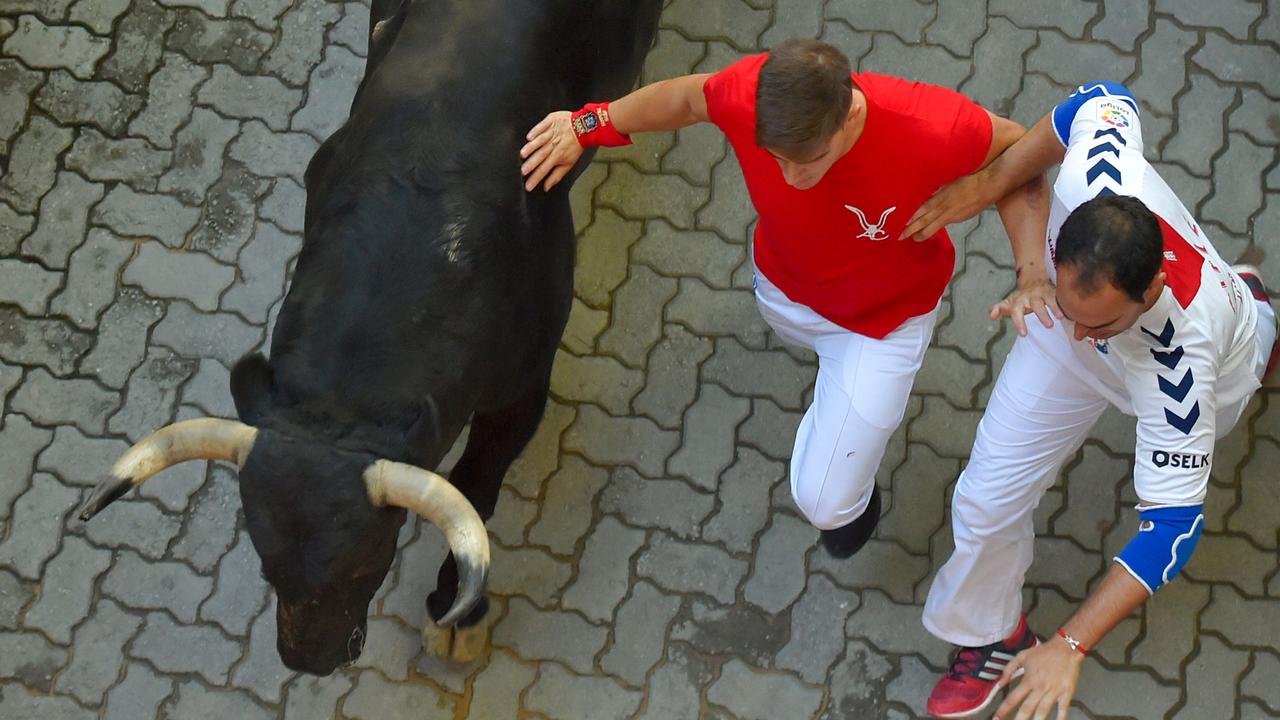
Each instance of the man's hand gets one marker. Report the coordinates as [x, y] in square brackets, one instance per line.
[551, 151]
[1050, 673]
[956, 201]
[1033, 296]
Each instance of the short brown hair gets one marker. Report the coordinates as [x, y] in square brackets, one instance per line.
[803, 95]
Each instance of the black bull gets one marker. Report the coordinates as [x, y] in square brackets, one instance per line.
[431, 290]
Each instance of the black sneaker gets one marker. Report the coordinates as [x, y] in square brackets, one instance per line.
[844, 541]
[969, 686]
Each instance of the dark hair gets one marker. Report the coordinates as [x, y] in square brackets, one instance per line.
[1114, 239]
[803, 95]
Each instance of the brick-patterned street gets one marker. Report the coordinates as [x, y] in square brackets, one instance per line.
[648, 562]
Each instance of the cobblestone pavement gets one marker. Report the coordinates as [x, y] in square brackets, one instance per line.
[647, 560]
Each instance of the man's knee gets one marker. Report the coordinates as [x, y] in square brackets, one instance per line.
[828, 508]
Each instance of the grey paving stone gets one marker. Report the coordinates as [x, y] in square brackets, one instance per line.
[198, 155]
[240, 589]
[170, 586]
[693, 568]
[687, 253]
[541, 456]
[1255, 116]
[1090, 502]
[53, 401]
[209, 41]
[668, 504]
[248, 97]
[1206, 693]
[910, 687]
[1260, 680]
[580, 197]
[211, 525]
[14, 596]
[1239, 62]
[99, 15]
[193, 334]
[773, 374]
[131, 160]
[672, 54]
[512, 518]
[302, 40]
[604, 570]
[922, 63]
[263, 14]
[770, 429]
[52, 343]
[923, 483]
[56, 46]
[672, 379]
[134, 524]
[63, 219]
[584, 326]
[1229, 559]
[1124, 692]
[636, 195]
[1236, 192]
[16, 86]
[1233, 16]
[709, 429]
[531, 572]
[27, 284]
[35, 525]
[740, 23]
[1200, 131]
[263, 264]
[195, 700]
[214, 8]
[958, 25]
[595, 378]
[308, 696]
[1256, 495]
[389, 647]
[858, 684]
[97, 652]
[738, 630]
[719, 313]
[602, 257]
[91, 278]
[284, 205]
[723, 211]
[569, 493]
[272, 155]
[697, 150]
[1067, 62]
[139, 45]
[122, 335]
[498, 687]
[675, 687]
[329, 92]
[778, 574]
[175, 648]
[637, 316]
[14, 226]
[151, 395]
[744, 501]
[1069, 17]
[970, 328]
[72, 573]
[1246, 622]
[817, 630]
[607, 440]
[20, 703]
[138, 695]
[415, 572]
[28, 657]
[159, 216]
[262, 672]
[906, 19]
[32, 165]
[560, 694]
[549, 635]
[895, 629]
[880, 564]
[228, 221]
[1122, 22]
[179, 274]
[353, 29]
[794, 18]
[210, 389]
[73, 102]
[1163, 62]
[1063, 564]
[752, 693]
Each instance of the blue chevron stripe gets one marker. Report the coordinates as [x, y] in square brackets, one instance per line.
[1100, 168]
[1177, 392]
[1168, 359]
[1183, 424]
[1166, 335]
[1104, 148]
[1113, 133]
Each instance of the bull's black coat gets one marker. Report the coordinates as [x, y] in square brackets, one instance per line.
[431, 290]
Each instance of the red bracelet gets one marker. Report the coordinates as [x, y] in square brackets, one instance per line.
[1072, 642]
[593, 127]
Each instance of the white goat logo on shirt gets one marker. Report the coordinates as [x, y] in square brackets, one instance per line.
[869, 231]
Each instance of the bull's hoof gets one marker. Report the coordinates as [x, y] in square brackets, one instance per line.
[461, 646]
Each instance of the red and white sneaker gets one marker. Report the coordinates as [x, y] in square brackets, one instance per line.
[1253, 279]
[969, 686]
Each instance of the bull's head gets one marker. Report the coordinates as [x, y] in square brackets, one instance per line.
[325, 548]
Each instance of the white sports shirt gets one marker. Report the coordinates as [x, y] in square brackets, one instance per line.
[1192, 354]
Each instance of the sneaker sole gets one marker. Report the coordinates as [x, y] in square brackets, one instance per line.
[986, 702]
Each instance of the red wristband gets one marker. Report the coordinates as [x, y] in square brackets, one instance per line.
[1072, 642]
[593, 127]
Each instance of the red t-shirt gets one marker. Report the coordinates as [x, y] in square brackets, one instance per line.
[835, 247]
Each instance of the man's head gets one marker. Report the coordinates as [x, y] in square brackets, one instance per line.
[804, 109]
[1109, 254]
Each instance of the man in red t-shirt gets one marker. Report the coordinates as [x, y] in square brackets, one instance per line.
[835, 163]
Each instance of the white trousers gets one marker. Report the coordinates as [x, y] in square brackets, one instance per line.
[1038, 415]
[860, 397]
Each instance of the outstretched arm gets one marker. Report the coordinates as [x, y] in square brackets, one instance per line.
[552, 148]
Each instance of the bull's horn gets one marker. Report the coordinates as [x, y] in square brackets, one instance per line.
[440, 503]
[200, 439]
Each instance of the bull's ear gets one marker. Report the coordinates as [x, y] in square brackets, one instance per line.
[251, 383]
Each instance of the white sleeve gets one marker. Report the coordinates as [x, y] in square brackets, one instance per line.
[1099, 126]
[1172, 383]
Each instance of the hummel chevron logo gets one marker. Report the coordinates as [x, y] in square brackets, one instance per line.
[1168, 359]
[1104, 148]
[1100, 168]
[1112, 132]
[1165, 337]
[1184, 424]
[1177, 392]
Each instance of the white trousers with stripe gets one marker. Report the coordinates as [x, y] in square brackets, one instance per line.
[1038, 415]
[860, 397]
